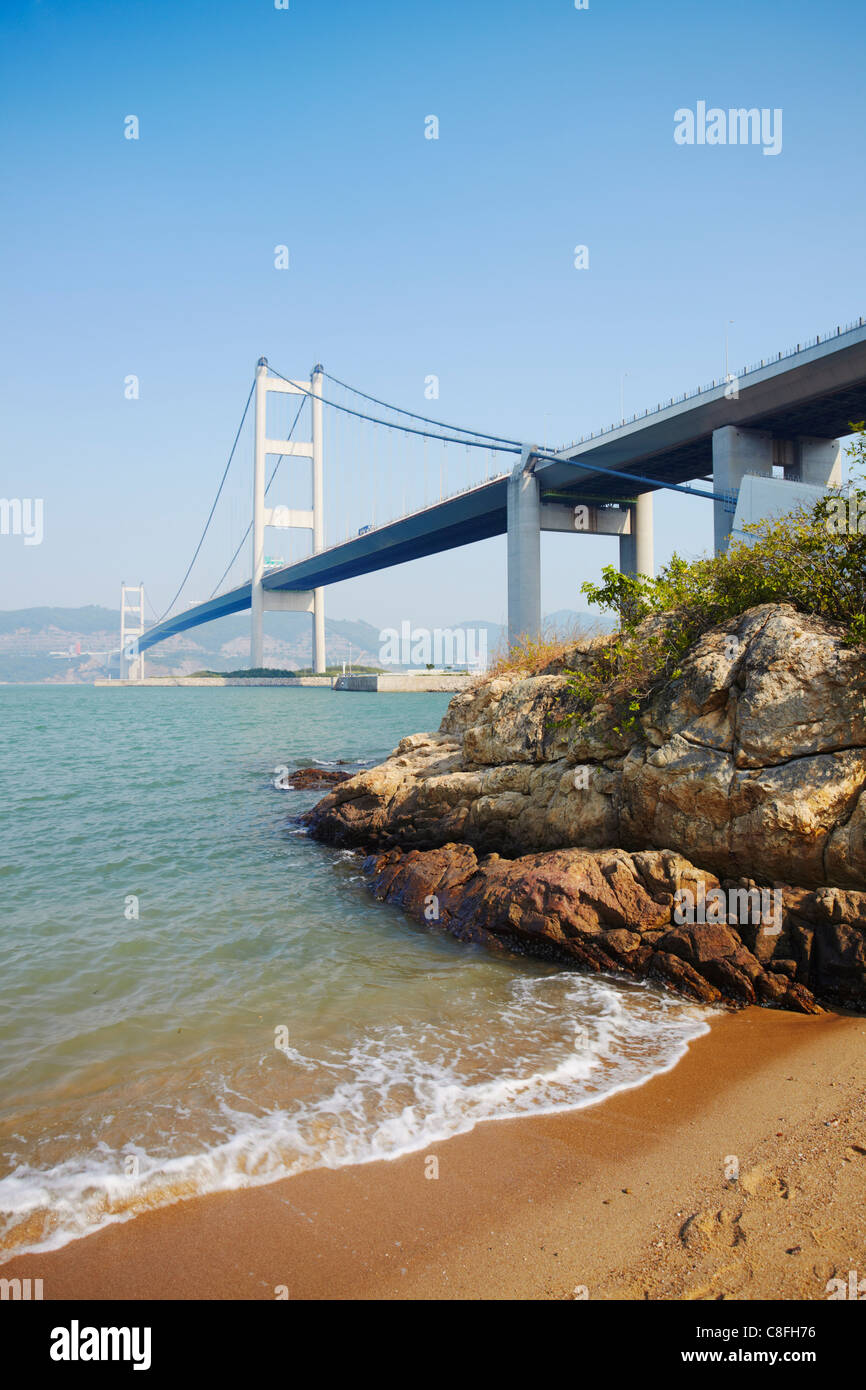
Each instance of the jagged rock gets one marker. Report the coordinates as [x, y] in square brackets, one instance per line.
[679, 975]
[594, 910]
[305, 777]
[752, 765]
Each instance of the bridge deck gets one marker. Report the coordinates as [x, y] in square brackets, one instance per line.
[818, 390]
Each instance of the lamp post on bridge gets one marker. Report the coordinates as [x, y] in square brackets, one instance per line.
[727, 324]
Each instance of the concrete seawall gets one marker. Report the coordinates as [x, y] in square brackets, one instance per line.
[317, 682]
[398, 683]
[446, 683]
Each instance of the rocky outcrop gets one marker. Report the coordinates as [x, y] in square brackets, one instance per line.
[304, 778]
[608, 910]
[751, 764]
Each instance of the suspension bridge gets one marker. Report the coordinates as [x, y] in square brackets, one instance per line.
[381, 485]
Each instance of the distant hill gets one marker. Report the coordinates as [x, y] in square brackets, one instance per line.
[80, 621]
[73, 645]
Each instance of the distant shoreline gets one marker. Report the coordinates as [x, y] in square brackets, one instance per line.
[386, 683]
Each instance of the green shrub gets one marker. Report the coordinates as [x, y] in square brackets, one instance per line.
[813, 558]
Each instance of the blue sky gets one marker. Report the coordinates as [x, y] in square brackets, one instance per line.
[408, 257]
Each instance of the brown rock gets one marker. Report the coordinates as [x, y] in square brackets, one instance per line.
[771, 988]
[305, 777]
[678, 973]
[800, 1000]
[754, 765]
[751, 765]
[733, 983]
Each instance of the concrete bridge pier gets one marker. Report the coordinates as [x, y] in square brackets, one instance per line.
[736, 452]
[815, 461]
[636, 548]
[524, 550]
[529, 515]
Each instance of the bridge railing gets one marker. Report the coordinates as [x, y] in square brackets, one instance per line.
[837, 332]
[398, 517]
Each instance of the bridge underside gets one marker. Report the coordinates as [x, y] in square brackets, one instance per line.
[817, 393]
[476, 515]
[235, 601]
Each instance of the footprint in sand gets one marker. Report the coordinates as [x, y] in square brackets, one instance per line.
[727, 1282]
[712, 1230]
[762, 1182]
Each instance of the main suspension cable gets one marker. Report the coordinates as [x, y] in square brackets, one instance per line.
[213, 508]
[511, 448]
[398, 410]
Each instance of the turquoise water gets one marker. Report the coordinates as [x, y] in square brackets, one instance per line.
[196, 996]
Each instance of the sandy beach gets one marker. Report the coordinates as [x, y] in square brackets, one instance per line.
[740, 1173]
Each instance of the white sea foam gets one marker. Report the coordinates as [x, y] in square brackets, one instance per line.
[151, 1037]
[561, 1041]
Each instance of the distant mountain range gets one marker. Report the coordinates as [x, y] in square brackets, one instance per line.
[77, 645]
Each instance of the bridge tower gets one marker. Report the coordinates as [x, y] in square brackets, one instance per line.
[131, 628]
[286, 518]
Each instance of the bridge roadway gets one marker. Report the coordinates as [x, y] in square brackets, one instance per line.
[790, 409]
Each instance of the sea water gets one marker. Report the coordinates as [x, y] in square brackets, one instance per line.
[196, 996]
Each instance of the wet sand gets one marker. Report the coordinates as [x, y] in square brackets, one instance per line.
[741, 1173]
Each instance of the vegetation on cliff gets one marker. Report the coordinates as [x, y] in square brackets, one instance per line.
[813, 558]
